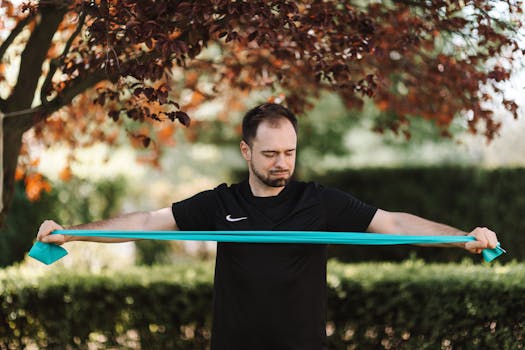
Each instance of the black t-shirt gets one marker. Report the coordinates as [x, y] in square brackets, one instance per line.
[271, 295]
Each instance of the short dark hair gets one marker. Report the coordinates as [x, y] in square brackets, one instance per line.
[271, 112]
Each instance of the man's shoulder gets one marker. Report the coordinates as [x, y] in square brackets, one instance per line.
[233, 190]
[305, 189]
[308, 185]
[325, 191]
[228, 187]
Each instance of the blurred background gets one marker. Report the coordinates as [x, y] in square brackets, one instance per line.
[425, 120]
[340, 149]
[109, 107]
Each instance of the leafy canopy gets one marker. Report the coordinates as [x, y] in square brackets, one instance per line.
[152, 61]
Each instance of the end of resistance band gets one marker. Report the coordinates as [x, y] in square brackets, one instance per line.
[47, 253]
[491, 254]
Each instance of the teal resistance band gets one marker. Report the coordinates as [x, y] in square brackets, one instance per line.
[49, 253]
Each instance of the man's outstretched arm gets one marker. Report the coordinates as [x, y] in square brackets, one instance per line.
[403, 223]
[159, 220]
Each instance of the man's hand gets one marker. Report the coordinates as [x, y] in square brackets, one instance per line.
[44, 233]
[485, 238]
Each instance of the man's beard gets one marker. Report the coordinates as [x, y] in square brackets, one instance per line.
[278, 182]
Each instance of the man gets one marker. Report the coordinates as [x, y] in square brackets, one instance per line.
[271, 296]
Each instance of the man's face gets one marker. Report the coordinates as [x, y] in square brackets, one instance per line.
[271, 157]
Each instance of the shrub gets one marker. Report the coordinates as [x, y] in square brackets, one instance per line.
[370, 306]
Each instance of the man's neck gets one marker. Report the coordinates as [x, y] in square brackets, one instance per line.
[259, 189]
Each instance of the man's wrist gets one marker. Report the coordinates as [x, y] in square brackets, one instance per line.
[68, 238]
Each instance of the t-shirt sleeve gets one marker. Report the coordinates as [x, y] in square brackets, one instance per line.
[196, 213]
[344, 212]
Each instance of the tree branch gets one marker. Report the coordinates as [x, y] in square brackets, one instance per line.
[14, 33]
[32, 116]
[78, 86]
[7, 43]
[23, 112]
[28, 117]
[54, 63]
[33, 56]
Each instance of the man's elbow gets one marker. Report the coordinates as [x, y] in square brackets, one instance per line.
[160, 220]
[385, 222]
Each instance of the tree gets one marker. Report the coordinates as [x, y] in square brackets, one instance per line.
[156, 60]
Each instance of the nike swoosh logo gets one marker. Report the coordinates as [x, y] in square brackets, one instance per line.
[229, 218]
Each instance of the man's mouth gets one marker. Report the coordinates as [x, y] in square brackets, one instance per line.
[279, 172]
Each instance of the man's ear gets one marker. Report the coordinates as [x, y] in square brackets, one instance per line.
[245, 150]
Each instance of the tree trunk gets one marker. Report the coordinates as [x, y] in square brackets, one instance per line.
[1, 164]
[14, 125]
[12, 142]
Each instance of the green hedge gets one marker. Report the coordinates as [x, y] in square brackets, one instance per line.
[417, 307]
[370, 306]
[23, 219]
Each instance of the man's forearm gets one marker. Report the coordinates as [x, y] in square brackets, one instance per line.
[408, 224]
[158, 220]
[404, 223]
[415, 225]
[137, 221]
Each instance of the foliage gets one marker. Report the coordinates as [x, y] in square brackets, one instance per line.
[152, 61]
[151, 252]
[464, 197]
[370, 306]
[72, 202]
[82, 201]
[418, 306]
[21, 226]
[157, 308]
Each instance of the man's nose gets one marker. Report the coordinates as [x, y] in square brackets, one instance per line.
[280, 161]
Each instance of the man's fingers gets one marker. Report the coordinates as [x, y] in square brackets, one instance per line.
[485, 238]
[44, 232]
[56, 239]
[475, 246]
